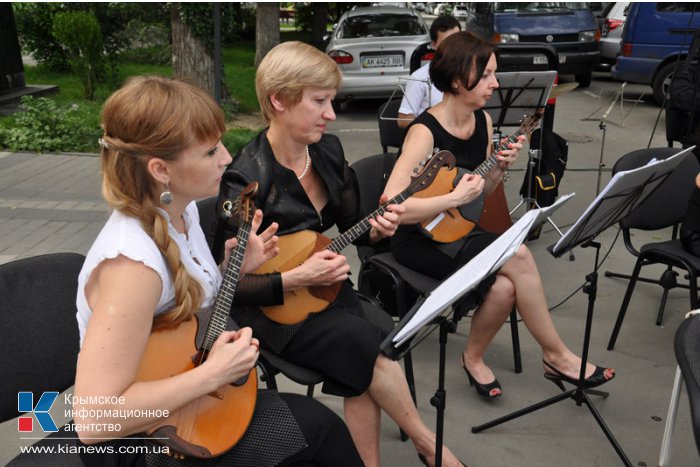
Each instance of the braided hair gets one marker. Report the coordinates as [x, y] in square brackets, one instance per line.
[153, 116]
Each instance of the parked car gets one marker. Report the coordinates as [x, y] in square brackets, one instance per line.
[420, 6]
[655, 37]
[439, 9]
[460, 11]
[372, 47]
[568, 26]
[611, 35]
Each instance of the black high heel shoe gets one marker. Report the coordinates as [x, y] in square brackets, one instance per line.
[485, 390]
[596, 379]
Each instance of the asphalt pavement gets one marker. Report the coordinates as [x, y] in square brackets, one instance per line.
[52, 202]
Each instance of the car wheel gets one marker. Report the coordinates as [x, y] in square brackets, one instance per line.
[662, 82]
[584, 80]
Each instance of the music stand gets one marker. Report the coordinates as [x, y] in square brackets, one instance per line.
[431, 310]
[521, 93]
[625, 191]
[518, 92]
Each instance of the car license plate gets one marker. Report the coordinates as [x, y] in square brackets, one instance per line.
[539, 60]
[382, 61]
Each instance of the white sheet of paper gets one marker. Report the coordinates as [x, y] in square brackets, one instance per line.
[621, 182]
[471, 274]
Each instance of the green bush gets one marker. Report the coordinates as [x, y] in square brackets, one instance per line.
[44, 126]
[234, 139]
[152, 55]
[80, 33]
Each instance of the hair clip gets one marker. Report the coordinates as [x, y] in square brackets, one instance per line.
[102, 143]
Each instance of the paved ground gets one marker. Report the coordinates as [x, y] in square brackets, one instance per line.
[52, 203]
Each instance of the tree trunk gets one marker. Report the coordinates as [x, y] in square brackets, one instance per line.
[318, 23]
[267, 29]
[191, 59]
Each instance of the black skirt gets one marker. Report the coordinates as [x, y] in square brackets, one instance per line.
[439, 260]
[341, 342]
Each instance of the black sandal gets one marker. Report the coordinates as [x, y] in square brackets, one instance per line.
[596, 379]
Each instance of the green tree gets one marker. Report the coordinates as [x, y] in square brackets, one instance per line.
[80, 34]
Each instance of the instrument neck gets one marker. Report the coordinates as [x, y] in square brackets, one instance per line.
[341, 241]
[224, 299]
[491, 161]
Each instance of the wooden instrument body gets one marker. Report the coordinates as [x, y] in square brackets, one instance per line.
[210, 425]
[294, 249]
[454, 223]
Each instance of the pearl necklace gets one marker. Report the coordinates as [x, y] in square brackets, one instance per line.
[306, 165]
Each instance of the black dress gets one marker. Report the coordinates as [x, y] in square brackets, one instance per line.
[438, 260]
[324, 341]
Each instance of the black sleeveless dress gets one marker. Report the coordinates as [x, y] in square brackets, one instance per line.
[438, 260]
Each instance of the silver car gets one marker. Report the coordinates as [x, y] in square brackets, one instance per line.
[372, 47]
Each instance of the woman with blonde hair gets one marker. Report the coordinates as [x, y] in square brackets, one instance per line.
[464, 69]
[305, 183]
[151, 267]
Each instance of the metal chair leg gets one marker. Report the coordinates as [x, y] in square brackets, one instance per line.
[662, 306]
[515, 338]
[665, 453]
[625, 304]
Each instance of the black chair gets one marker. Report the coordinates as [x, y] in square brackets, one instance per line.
[390, 134]
[381, 276]
[39, 339]
[664, 208]
[687, 348]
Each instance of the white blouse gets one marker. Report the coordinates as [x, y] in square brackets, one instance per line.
[123, 235]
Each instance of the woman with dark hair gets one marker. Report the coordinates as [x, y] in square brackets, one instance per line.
[306, 184]
[151, 268]
[464, 69]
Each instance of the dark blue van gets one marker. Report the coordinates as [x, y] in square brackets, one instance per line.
[655, 36]
[570, 27]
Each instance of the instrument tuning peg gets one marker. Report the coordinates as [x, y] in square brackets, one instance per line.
[415, 170]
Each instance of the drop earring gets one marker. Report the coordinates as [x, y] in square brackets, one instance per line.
[166, 197]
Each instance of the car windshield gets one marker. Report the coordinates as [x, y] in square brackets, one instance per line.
[380, 25]
[513, 7]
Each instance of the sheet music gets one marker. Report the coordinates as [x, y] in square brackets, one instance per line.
[621, 182]
[471, 274]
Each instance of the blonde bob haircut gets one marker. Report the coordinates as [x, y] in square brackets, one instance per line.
[288, 69]
[154, 116]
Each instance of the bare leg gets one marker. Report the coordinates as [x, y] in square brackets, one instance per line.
[363, 418]
[522, 270]
[485, 323]
[389, 390]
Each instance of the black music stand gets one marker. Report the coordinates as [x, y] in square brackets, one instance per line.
[432, 311]
[519, 93]
[625, 191]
